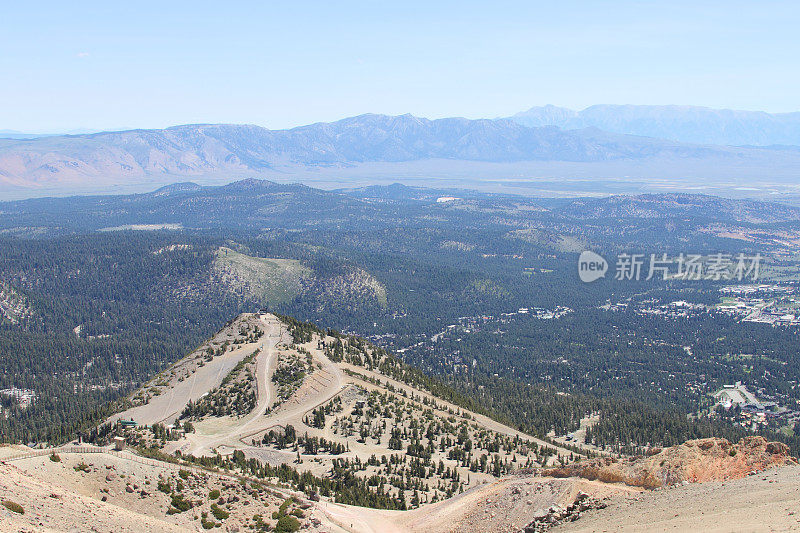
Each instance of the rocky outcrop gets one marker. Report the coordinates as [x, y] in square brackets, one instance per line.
[558, 515]
[695, 461]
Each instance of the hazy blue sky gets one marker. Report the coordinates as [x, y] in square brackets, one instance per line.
[109, 64]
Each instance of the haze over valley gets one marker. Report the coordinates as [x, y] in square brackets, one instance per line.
[542, 152]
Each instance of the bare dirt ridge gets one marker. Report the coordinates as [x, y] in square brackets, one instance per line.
[322, 387]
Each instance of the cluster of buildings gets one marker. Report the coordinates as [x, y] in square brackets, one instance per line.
[754, 411]
[678, 309]
[539, 312]
[748, 290]
[13, 306]
[23, 397]
[737, 394]
[765, 304]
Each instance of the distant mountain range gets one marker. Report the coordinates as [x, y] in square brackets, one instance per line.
[688, 124]
[394, 143]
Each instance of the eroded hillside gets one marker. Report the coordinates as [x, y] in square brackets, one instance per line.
[695, 461]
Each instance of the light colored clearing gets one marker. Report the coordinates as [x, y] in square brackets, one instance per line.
[781, 238]
[578, 437]
[212, 432]
[173, 248]
[457, 245]
[13, 305]
[558, 242]
[167, 405]
[144, 227]
[318, 388]
[272, 280]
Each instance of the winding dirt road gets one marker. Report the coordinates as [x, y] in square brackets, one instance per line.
[232, 433]
[266, 361]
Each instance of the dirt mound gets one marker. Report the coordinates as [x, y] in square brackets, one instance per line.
[695, 461]
[764, 503]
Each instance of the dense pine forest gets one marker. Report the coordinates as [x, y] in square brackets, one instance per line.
[135, 312]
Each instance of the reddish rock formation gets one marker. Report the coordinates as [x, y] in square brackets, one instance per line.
[696, 461]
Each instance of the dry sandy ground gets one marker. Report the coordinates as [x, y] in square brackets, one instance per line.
[214, 432]
[55, 496]
[505, 505]
[233, 433]
[766, 502]
[226, 434]
[318, 388]
[58, 498]
[52, 507]
[769, 501]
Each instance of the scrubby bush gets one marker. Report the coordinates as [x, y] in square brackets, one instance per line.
[287, 524]
[14, 507]
[179, 503]
[218, 512]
